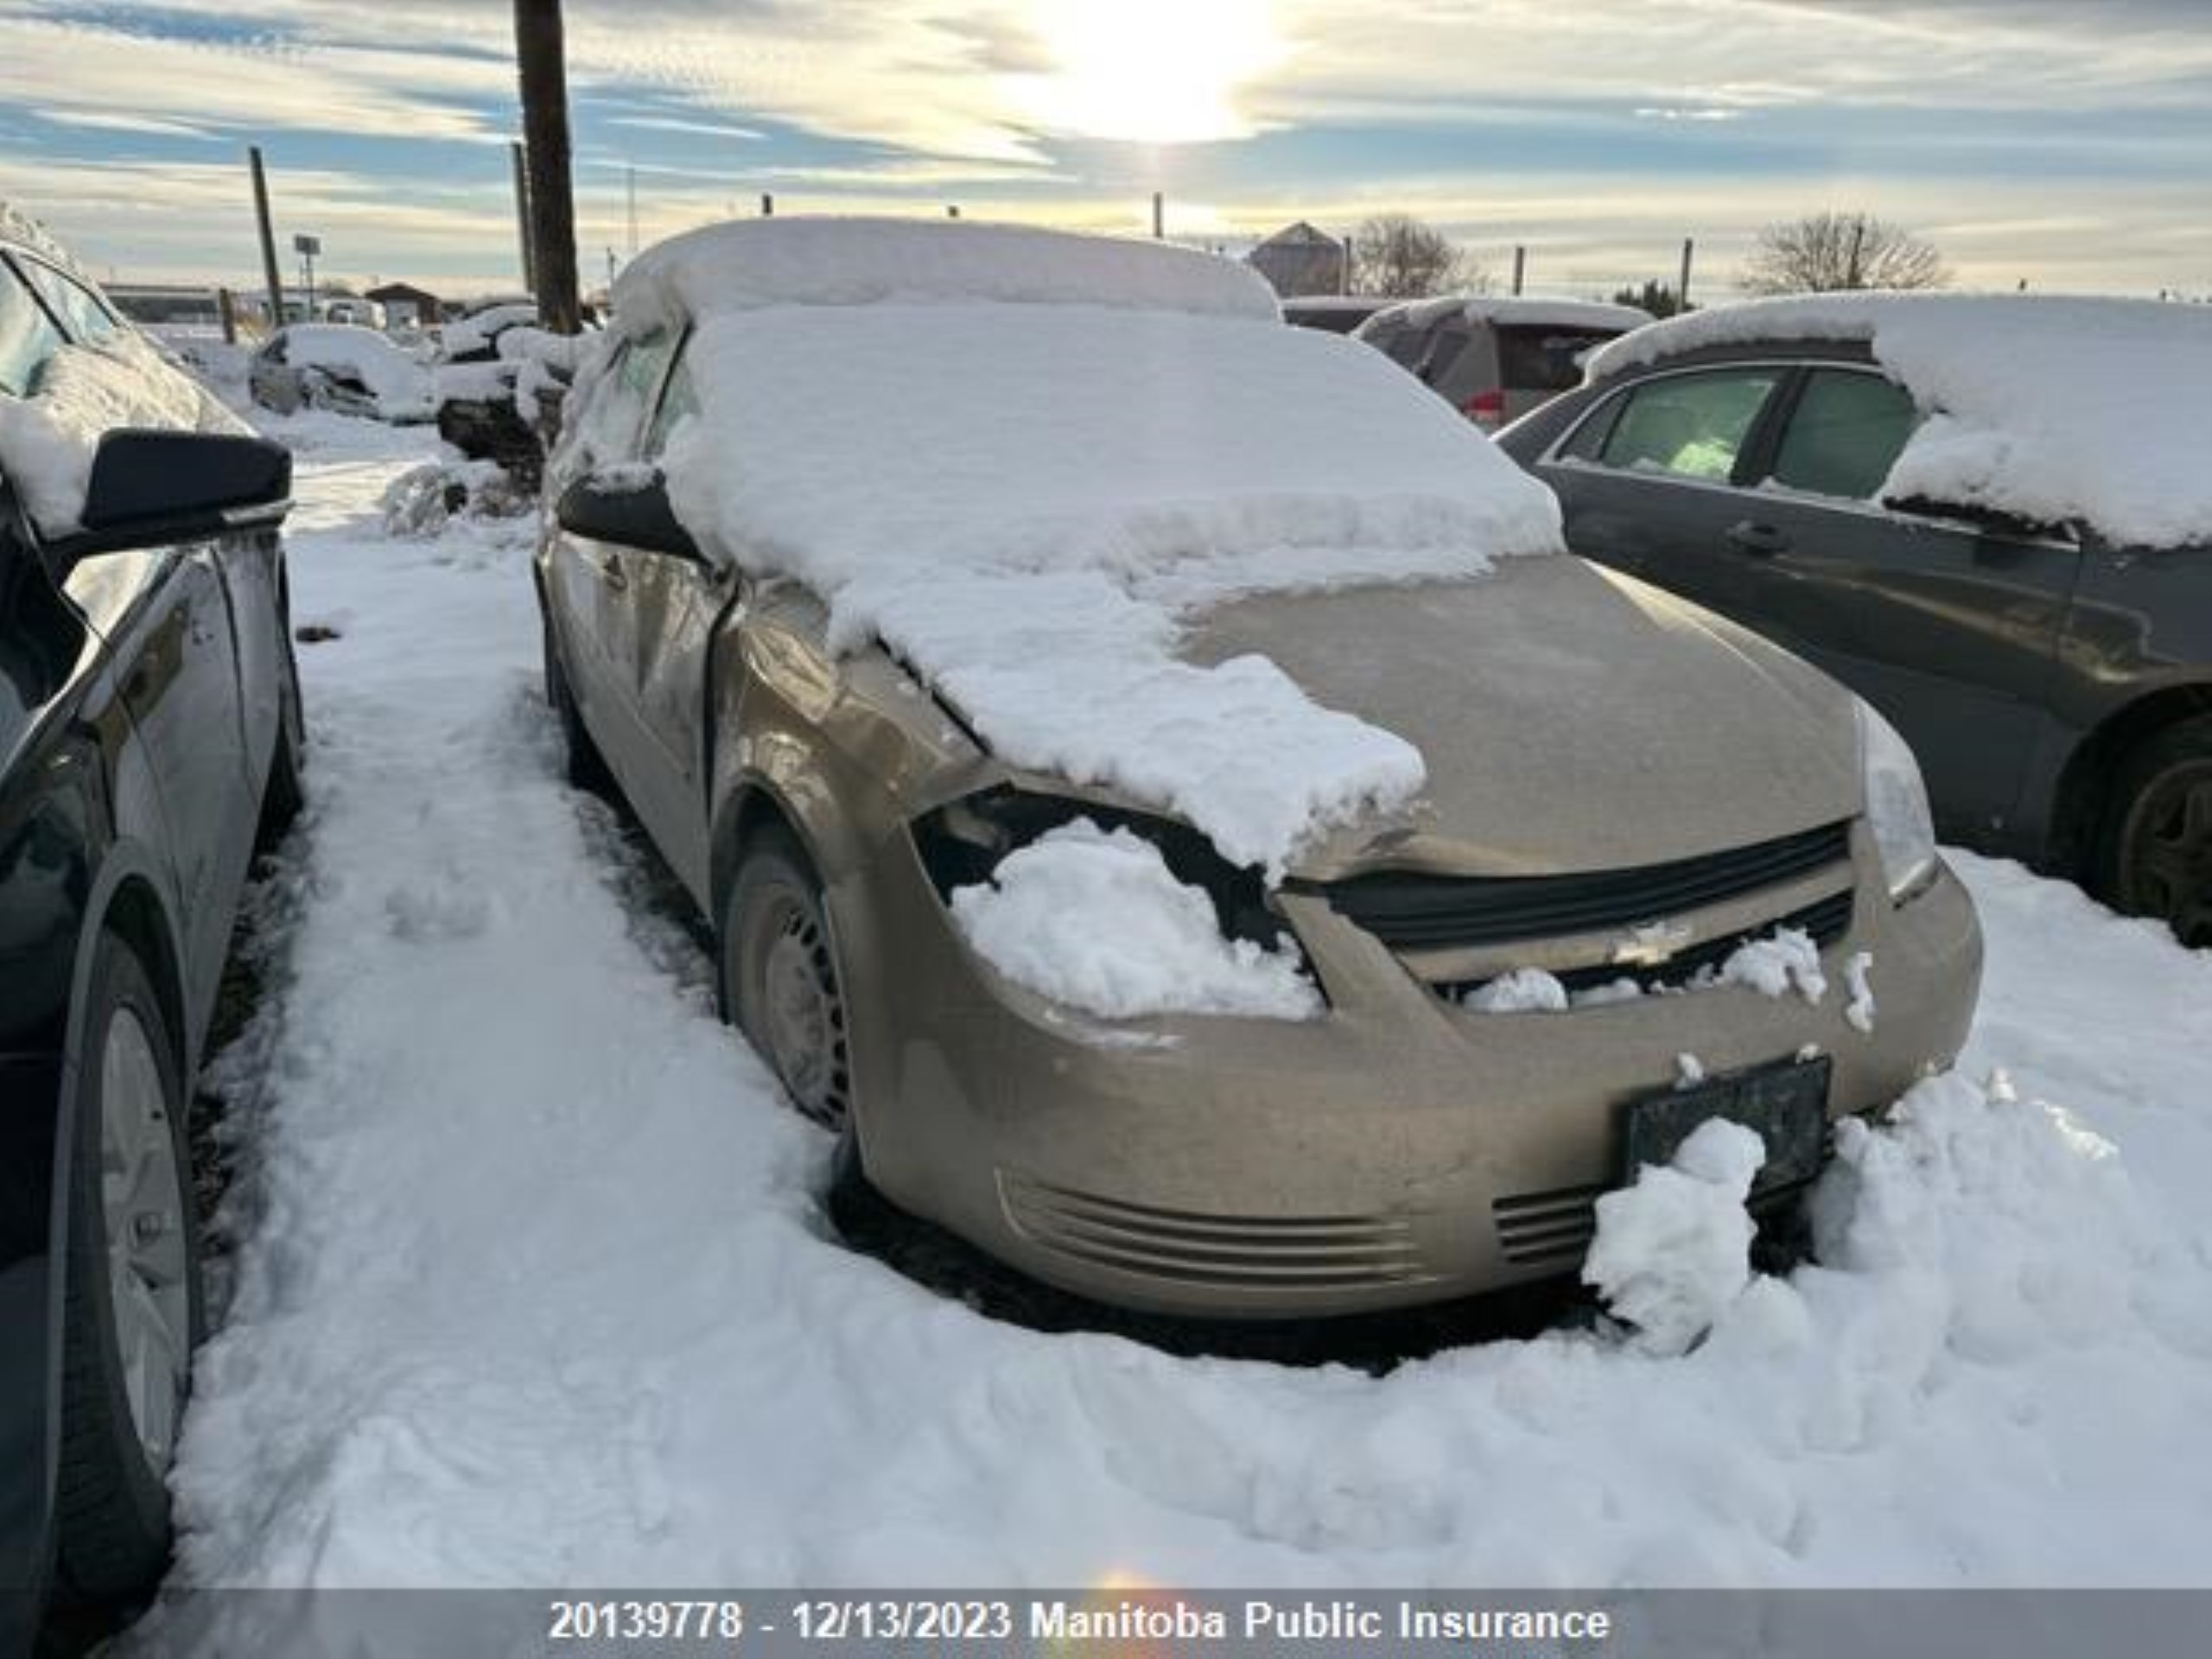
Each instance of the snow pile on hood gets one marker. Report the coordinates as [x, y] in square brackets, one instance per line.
[1017, 494]
[399, 383]
[48, 441]
[1093, 918]
[2049, 409]
[1673, 1251]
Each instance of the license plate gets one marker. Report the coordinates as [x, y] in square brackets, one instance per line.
[1786, 1105]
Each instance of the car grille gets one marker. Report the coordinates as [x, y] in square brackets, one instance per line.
[1825, 923]
[1244, 1253]
[1410, 912]
[1553, 1229]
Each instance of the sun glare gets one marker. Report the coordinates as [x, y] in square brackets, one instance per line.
[1158, 71]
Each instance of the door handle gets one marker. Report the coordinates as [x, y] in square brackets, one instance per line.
[1762, 541]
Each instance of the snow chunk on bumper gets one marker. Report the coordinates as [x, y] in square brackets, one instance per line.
[1673, 1251]
[1023, 499]
[1094, 919]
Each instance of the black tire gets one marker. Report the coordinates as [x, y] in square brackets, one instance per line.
[2156, 858]
[282, 798]
[783, 985]
[112, 1512]
[582, 763]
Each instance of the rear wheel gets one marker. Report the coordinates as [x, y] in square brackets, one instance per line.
[2158, 850]
[132, 1312]
[282, 795]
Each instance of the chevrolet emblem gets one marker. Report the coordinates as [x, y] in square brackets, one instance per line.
[1652, 945]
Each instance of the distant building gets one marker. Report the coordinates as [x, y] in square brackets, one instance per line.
[406, 306]
[1301, 259]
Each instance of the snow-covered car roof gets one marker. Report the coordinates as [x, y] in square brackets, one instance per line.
[395, 379]
[1525, 311]
[1016, 456]
[478, 330]
[2054, 411]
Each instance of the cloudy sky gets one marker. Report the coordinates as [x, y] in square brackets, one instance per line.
[2065, 142]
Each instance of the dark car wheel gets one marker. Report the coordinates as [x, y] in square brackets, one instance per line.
[133, 1311]
[785, 984]
[282, 795]
[2159, 844]
[585, 767]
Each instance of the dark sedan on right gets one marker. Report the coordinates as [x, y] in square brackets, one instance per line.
[1980, 514]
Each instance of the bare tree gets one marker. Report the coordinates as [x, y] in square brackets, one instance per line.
[1836, 253]
[1397, 257]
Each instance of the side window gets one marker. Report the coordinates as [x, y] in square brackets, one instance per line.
[27, 337]
[1845, 434]
[85, 317]
[678, 403]
[616, 419]
[1688, 425]
[1407, 347]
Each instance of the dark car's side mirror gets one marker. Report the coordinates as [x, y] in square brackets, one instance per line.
[628, 512]
[149, 486]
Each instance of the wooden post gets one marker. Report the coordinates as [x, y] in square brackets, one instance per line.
[269, 272]
[226, 308]
[1159, 215]
[767, 205]
[540, 57]
[1520, 266]
[1682, 288]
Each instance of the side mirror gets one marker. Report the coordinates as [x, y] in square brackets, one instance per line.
[151, 486]
[627, 512]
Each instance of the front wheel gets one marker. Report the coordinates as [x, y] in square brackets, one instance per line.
[132, 1311]
[785, 985]
[2158, 843]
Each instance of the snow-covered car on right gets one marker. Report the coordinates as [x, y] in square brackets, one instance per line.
[1991, 516]
[340, 367]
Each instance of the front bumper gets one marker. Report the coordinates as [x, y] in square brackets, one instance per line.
[1397, 1150]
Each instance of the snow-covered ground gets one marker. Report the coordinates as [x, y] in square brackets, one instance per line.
[532, 1285]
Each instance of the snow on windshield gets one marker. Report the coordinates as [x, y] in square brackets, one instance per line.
[1021, 500]
[2050, 410]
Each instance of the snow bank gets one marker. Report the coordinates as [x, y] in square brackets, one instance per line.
[47, 441]
[1674, 1250]
[1094, 918]
[2050, 410]
[1019, 499]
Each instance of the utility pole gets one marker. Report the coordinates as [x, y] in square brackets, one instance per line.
[1682, 288]
[767, 205]
[269, 272]
[633, 213]
[1851, 279]
[522, 215]
[540, 60]
[1520, 267]
[1159, 216]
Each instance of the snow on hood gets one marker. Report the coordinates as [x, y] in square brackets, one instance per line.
[400, 385]
[47, 441]
[2050, 410]
[1021, 500]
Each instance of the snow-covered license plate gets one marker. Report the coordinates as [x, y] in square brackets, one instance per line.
[1786, 1105]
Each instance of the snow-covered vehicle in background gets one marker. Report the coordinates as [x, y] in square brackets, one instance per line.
[494, 407]
[1202, 841]
[1496, 358]
[342, 368]
[1989, 515]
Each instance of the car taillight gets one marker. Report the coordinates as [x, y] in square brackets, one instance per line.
[1486, 410]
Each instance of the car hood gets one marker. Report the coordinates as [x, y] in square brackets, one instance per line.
[1569, 717]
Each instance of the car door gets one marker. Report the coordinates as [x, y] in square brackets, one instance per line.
[1948, 625]
[673, 606]
[585, 578]
[1647, 481]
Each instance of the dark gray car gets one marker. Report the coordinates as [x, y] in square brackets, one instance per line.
[2054, 682]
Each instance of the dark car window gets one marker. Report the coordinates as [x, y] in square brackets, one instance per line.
[1544, 359]
[677, 402]
[85, 317]
[1845, 434]
[1447, 342]
[27, 337]
[1689, 425]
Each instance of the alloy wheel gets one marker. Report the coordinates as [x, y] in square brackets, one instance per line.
[144, 1215]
